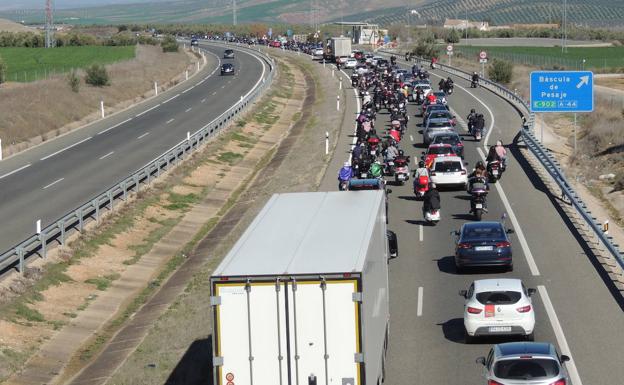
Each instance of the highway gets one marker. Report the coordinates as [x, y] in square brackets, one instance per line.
[49, 180]
[577, 308]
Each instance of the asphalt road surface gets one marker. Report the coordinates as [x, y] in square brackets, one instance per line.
[48, 181]
[576, 308]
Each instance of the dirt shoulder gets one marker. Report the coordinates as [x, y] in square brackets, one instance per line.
[39, 111]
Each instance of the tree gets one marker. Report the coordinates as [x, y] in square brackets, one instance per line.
[97, 76]
[3, 71]
[169, 44]
[453, 37]
[500, 71]
[74, 81]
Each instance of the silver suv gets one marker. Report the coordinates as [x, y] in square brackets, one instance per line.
[519, 363]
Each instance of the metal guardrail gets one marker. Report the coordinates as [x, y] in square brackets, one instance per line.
[90, 211]
[550, 164]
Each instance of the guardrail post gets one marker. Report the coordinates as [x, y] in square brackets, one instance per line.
[110, 199]
[61, 225]
[96, 204]
[42, 239]
[20, 255]
[80, 220]
[149, 174]
[137, 182]
[124, 187]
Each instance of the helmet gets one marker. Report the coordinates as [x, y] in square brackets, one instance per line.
[474, 73]
[401, 152]
[421, 164]
[347, 164]
[499, 143]
[366, 93]
[396, 123]
[432, 185]
[479, 164]
[472, 111]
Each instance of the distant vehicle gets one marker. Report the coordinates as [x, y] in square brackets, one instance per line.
[525, 363]
[495, 307]
[275, 44]
[435, 151]
[228, 54]
[435, 125]
[194, 42]
[350, 63]
[227, 69]
[449, 171]
[339, 47]
[451, 138]
[440, 114]
[309, 292]
[483, 244]
[318, 53]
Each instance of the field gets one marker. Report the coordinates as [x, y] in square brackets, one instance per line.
[596, 58]
[29, 64]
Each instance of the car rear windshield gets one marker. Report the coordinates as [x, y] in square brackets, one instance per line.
[440, 150]
[448, 166]
[526, 369]
[475, 233]
[439, 124]
[446, 139]
[498, 297]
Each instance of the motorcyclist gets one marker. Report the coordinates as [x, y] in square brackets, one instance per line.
[421, 171]
[434, 60]
[479, 123]
[391, 152]
[367, 98]
[448, 84]
[442, 84]
[394, 131]
[431, 199]
[431, 97]
[471, 118]
[478, 170]
[502, 153]
[475, 77]
[415, 69]
[345, 174]
[478, 180]
[376, 170]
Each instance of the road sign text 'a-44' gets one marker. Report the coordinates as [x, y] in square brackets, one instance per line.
[562, 91]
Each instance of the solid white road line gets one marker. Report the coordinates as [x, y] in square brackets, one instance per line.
[107, 155]
[359, 107]
[14, 171]
[188, 109]
[203, 100]
[561, 340]
[420, 233]
[143, 136]
[214, 93]
[411, 138]
[523, 243]
[170, 99]
[53, 183]
[420, 302]
[148, 110]
[115, 126]
[170, 120]
[66, 148]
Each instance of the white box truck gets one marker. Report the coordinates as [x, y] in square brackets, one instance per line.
[339, 47]
[302, 297]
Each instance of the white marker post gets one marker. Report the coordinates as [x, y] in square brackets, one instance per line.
[102, 108]
[0, 149]
[338, 103]
[197, 66]
[38, 226]
[605, 227]
[323, 63]
[155, 88]
[333, 73]
[340, 82]
[188, 135]
[326, 143]
[186, 74]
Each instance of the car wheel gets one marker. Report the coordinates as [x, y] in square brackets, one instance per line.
[530, 337]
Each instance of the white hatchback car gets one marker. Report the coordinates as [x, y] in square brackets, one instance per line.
[449, 171]
[496, 307]
[350, 63]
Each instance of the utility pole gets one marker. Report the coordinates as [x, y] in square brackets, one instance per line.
[234, 12]
[49, 22]
[565, 27]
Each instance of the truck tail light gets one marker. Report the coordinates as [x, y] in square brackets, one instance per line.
[524, 309]
[474, 310]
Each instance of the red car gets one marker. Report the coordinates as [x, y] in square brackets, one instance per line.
[275, 44]
[435, 151]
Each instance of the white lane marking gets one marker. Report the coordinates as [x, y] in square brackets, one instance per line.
[14, 171]
[411, 138]
[523, 243]
[420, 302]
[188, 109]
[143, 136]
[170, 99]
[115, 126]
[53, 183]
[223, 86]
[66, 148]
[107, 155]
[148, 110]
[203, 100]
[187, 90]
[561, 340]
[170, 120]
[214, 93]
[359, 107]
[420, 233]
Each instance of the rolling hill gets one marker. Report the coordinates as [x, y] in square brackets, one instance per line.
[595, 12]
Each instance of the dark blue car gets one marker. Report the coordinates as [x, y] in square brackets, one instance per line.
[483, 244]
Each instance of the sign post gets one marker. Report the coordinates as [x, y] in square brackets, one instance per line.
[483, 59]
[562, 91]
[449, 52]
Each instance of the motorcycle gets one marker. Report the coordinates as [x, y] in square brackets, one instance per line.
[422, 186]
[477, 202]
[401, 170]
[432, 216]
[373, 145]
[477, 134]
[449, 89]
[344, 185]
[474, 84]
[495, 170]
[389, 168]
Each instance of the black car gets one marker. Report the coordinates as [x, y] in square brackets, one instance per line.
[228, 54]
[483, 244]
[194, 42]
[227, 69]
[449, 137]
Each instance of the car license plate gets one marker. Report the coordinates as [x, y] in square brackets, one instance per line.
[500, 329]
[484, 248]
[495, 172]
[373, 152]
[401, 177]
[479, 205]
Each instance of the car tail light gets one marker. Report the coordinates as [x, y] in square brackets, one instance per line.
[463, 172]
[463, 246]
[559, 382]
[492, 382]
[433, 173]
[474, 310]
[502, 244]
[524, 309]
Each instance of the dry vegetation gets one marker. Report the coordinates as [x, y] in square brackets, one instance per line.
[38, 111]
[10, 26]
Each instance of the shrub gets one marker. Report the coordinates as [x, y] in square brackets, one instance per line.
[169, 44]
[453, 37]
[426, 50]
[74, 81]
[97, 76]
[500, 71]
[3, 71]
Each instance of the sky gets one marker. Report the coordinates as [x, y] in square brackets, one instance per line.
[58, 4]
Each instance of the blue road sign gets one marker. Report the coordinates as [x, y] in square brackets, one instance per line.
[562, 91]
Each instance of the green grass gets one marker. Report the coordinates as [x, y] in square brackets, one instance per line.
[29, 64]
[102, 283]
[158, 233]
[32, 315]
[181, 201]
[549, 57]
[229, 157]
